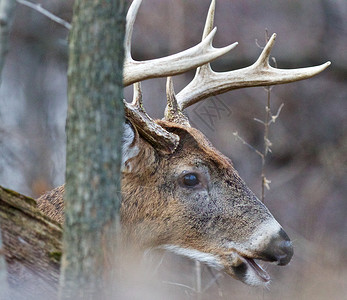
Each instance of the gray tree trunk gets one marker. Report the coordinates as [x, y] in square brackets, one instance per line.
[94, 133]
[7, 8]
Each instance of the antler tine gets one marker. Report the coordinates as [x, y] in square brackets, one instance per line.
[130, 20]
[152, 132]
[207, 82]
[191, 58]
[172, 111]
[204, 70]
[209, 19]
[137, 95]
[207, 29]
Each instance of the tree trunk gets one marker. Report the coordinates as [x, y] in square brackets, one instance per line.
[94, 134]
[7, 8]
[31, 246]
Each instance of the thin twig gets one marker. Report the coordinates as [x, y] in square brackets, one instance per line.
[260, 121]
[214, 280]
[267, 143]
[274, 117]
[269, 119]
[198, 279]
[159, 264]
[214, 275]
[179, 284]
[238, 137]
[46, 13]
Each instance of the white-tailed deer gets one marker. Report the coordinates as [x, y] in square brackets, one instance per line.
[178, 192]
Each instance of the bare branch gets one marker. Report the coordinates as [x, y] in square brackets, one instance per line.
[198, 278]
[179, 284]
[259, 121]
[274, 117]
[45, 12]
[238, 137]
[266, 183]
[214, 280]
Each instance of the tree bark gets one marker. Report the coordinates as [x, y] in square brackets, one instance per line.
[94, 134]
[31, 246]
[7, 8]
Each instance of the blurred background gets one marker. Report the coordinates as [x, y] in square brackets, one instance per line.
[307, 166]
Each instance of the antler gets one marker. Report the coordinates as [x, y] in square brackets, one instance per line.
[135, 71]
[207, 82]
[172, 112]
[191, 58]
[152, 132]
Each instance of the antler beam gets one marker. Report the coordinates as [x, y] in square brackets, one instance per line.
[191, 58]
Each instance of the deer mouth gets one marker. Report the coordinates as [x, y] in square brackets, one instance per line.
[260, 272]
[233, 263]
[247, 270]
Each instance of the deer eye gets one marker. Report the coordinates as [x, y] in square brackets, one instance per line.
[190, 180]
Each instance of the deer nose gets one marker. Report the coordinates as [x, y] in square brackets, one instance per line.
[280, 249]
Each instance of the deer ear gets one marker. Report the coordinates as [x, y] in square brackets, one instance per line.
[130, 145]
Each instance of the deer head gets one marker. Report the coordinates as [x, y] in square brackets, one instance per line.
[178, 192]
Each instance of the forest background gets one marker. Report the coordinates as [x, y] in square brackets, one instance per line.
[307, 166]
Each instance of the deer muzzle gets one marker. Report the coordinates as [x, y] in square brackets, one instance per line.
[269, 243]
[279, 249]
